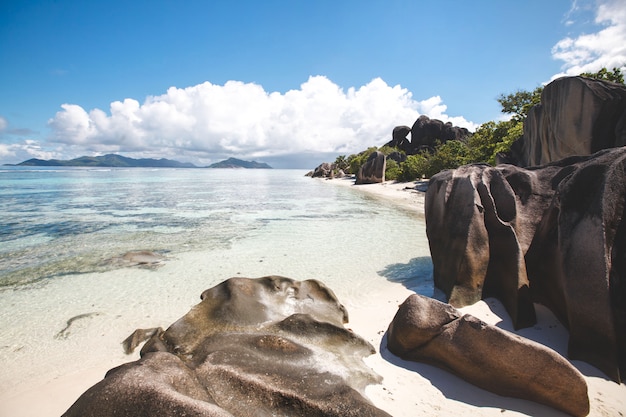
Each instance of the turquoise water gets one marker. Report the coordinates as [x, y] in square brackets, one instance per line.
[64, 231]
[67, 221]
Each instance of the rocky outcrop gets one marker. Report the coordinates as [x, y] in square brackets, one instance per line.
[426, 132]
[426, 330]
[373, 170]
[399, 137]
[554, 234]
[424, 135]
[326, 170]
[252, 347]
[576, 116]
[322, 170]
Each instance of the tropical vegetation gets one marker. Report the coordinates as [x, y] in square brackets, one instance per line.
[483, 146]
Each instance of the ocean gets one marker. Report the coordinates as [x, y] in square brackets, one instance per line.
[70, 292]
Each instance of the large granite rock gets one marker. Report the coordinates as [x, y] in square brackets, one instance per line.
[373, 170]
[554, 234]
[426, 330]
[424, 135]
[576, 116]
[270, 346]
[323, 170]
[399, 137]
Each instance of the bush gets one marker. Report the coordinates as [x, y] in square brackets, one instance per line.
[392, 170]
[492, 138]
[451, 154]
[413, 168]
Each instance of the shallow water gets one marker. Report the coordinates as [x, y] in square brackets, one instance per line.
[64, 231]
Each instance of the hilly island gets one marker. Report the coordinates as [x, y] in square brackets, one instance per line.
[119, 161]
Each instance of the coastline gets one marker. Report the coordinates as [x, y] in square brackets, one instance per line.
[408, 389]
[401, 194]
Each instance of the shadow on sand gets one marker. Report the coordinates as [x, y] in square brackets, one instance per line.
[416, 275]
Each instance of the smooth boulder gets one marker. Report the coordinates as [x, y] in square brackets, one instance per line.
[251, 347]
[373, 170]
[577, 116]
[427, 330]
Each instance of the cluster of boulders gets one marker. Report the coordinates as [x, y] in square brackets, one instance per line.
[553, 234]
[425, 134]
[326, 170]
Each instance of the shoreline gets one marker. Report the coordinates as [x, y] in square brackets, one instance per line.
[407, 389]
[400, 194]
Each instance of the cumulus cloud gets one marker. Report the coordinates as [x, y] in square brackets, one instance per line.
[24, 150]
[243, 119]
[593, 51]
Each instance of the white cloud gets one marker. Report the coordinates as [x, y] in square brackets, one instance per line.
[593, 51]
[3, 123]
[242, 119]
[27, 149]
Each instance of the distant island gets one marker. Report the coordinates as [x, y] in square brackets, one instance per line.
[119, 161]
[238, 163]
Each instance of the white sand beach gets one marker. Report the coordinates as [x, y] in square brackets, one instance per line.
[408, 389]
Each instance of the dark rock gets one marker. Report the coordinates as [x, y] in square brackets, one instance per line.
[323, 170]
[424, 135]
[576, 116]
[399, 137]
[426, 132]
[399, 157]
[252, 347]
[554, 234]
[373, 170]
[426, 330]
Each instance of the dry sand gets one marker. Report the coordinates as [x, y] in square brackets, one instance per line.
[408, 389]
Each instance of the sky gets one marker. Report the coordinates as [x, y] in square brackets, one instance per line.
[291, 83]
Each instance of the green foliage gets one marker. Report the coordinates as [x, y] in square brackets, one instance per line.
[392, 170]
[614, 76]
[414, 168]
[389, 150]
[341, 162]
[519, 103]
[511, 134]
[492, 138]
[451, 154]
[356, 161]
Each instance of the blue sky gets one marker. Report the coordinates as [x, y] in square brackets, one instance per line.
[287, 82]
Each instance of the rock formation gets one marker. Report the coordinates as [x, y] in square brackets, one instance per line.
[426, 330]
[323, 170]
[373, 170]
[577, 116]
[424, 135]
[554, 234]
[399, 137]
[252, 347]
